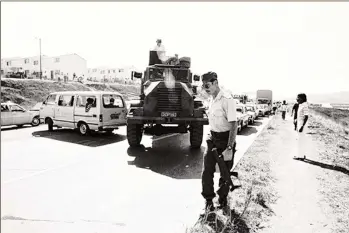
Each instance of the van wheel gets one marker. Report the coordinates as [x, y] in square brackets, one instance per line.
[134, 134]
[196, 134]
[83, 129]
[50, 124]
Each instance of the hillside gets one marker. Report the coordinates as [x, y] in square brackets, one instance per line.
[29, 92]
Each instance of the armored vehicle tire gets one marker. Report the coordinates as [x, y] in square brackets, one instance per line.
[134, 134]
[49, 124]
[196, 134]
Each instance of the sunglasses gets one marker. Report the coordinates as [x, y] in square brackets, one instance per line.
[208, 85]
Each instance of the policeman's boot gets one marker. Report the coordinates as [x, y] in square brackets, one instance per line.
[223, 202]
[209, 207]
[208, 213]
[223, 205]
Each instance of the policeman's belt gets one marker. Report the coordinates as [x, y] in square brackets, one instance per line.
[220, 134]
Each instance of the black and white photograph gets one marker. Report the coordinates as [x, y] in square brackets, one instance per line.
[174, 117]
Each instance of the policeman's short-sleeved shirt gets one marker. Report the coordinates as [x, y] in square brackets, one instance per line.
[303, 110]
[222, 110]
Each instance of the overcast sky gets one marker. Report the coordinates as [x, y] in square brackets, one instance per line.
[286, 47]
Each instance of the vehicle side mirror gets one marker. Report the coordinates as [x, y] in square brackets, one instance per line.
[196, 78]
[137, 75]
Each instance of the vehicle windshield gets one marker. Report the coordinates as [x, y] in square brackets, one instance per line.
[263, 101]
[178, 74]
[249, 108]
[4, 108]
[16, 108]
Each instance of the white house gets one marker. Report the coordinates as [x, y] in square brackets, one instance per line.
[109, 74]
[52, 67]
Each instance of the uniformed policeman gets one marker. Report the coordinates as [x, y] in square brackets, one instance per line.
[223, 130]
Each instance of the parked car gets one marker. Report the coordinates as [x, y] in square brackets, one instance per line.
[252, 112]
[14, 114]
[242, 116]
[84, 110]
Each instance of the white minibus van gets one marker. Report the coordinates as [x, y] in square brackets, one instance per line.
[84, 110]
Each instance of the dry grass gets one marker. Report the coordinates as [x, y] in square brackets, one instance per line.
[333, 155]
[338, 116]
[29, 92]
[249, 205]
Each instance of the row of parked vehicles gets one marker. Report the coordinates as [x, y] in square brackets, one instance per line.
[248, 113]
[96, 111]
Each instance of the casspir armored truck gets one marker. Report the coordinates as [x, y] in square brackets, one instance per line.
[167, 103]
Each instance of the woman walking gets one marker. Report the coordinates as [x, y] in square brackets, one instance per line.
[284, 109]
[302, 118]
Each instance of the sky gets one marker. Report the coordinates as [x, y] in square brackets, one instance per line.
[285, 47]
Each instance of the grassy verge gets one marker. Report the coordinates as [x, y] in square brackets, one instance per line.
[249, 205]
[29, 92]
[333, 156]
[338, 116]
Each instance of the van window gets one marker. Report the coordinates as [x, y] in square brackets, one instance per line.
[50, 100]
[82, 101]
[112, 101]
[66, 100]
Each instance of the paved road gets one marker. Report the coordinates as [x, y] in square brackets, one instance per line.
[62, 182]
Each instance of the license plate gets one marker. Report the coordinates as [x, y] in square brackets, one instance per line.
[114, 116]
[168, 114]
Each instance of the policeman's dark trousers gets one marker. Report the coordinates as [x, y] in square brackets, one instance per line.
[219, 141]
[283, 115]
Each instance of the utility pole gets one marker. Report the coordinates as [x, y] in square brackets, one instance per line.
[40, 59]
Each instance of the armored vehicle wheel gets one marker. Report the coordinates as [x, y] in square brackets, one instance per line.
[196, 134]
[134, 134]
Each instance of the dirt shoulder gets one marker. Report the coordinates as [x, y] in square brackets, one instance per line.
[280, 194]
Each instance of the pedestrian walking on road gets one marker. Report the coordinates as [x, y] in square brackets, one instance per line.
[302, 118]
[294, 114]
[283, 109]
[274, 108]
[223, 130]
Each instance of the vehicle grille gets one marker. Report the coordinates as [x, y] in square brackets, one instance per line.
[169, 99]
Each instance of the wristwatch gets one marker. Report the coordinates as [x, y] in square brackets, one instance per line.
[229, 148]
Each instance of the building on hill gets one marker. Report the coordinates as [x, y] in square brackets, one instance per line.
[53, 68]
[112, 74]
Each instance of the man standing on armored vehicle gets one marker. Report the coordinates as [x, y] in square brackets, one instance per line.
[223, 126]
